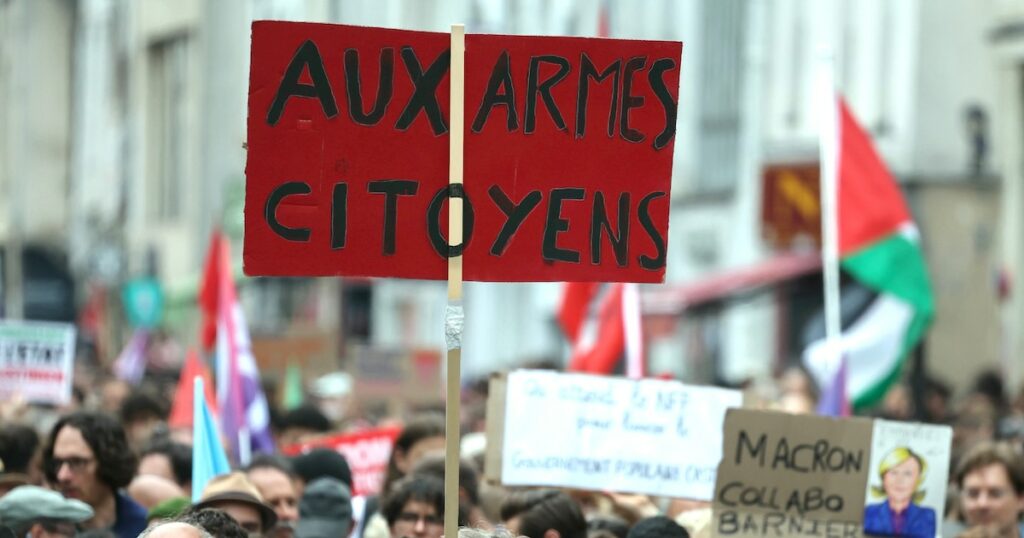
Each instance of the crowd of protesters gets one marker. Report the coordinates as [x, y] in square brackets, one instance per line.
[109, 465]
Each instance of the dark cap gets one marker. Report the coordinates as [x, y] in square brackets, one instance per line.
[322, 462]
[325, 510]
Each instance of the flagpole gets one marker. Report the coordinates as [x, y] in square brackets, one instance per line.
[454, 314]
[829, 160]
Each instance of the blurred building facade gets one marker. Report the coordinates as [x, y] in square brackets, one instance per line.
[134, 133]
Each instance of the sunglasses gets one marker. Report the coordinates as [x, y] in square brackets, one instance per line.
[75, 463]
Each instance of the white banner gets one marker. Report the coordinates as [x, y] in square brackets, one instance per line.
[613, 434]
[36, 361]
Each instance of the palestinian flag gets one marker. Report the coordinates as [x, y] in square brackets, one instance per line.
[879, 248]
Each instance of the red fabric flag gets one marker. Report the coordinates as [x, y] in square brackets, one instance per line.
[181, 409]
[572, 313]
[209, 292]
[870, 203]
[599, 339]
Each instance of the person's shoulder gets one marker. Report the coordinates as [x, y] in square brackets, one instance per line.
[876, 508]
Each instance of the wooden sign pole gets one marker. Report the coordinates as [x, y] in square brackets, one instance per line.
[454, 314]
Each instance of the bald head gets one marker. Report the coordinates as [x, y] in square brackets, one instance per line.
[175, 529]
[151, 490]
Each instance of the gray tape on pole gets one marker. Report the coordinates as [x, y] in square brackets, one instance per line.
[454, 318]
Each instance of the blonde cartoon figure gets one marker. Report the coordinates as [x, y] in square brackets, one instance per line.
[901, 474]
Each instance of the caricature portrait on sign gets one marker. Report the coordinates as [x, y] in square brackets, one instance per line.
[907, 481]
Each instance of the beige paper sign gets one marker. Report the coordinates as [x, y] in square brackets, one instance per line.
[789, 475]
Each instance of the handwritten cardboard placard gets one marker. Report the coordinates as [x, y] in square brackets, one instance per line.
[607, 433]
[789, 475]
[36, 361]
[568, 155]
[367, 453]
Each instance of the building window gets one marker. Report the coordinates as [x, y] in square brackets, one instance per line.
[720, 90]
[166, 127]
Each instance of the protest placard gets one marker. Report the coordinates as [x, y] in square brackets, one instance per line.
[908, 473]
[568, 155]
[788, 475]
[367, 453]
[37, 361]
[607, 433]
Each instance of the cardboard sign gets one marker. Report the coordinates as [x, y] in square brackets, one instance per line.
[606, 433]
[37, 361]
[909, 467]
[788, 475]
[367, 453]
[568, 155]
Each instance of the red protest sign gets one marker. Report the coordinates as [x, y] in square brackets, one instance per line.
[568, 155]
[367, 453]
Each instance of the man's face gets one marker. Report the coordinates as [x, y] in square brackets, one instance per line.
[278, 490]
[989, 498]
[246, 515]
[75, 467]
[157, 465]
[418, 520]
[52, 529]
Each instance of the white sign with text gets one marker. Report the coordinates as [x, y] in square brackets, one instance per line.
[613, 434]
[36, 361]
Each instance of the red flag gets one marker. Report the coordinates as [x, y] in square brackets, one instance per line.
[598, 334]
[209, 292]
[572, 313]
[871, 205]
[181, 410]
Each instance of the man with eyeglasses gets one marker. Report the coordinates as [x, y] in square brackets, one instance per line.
[415, 508]
[991, 481]
[40, 513]
[87, 458]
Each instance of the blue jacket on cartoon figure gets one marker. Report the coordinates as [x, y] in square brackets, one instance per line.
[918, 522]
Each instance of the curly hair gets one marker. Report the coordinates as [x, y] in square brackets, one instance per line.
[543, 509]
[115, 461]
[215, 522]
[426, 489]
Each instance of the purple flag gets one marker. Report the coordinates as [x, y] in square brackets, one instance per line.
[245, 415]
[835, 402]
[130, 365]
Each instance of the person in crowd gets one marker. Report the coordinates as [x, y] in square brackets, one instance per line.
[168, 459]
[150, 490]
[469, 486]
[415, 508]
[112, 393]
[657, 527]
[87, 458]
[176, 529]
[301, 423]
[990, 478]
[169, 509]
[19, 457]
[320, 463]
[606, 526]
[325, 510]
[901, 473]
[543, 513]
[215, 522]
[37, 512]
[937, 395]
[333, 395]
[235, 495]
[142, 413]
[279, 487]
[421, 436]
[898, 403]
[976, 422]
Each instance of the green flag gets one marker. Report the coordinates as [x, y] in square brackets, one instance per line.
[291, 396]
